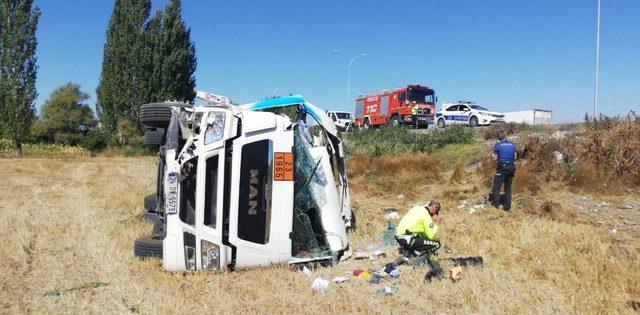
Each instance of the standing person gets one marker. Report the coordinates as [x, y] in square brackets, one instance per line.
[505, 154]
[416, 236]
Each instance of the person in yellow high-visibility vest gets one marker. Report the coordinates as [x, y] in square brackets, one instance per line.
[417, 229]
[416, 235]
[414, 112]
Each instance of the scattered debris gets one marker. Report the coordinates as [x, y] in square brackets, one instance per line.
[584, 198]
[53, 292]
[389, 209]
[635, 305]
[613, 230]
[626, 207]
[319, 285]
[400, 196]
[602, 204]
[365, 276]
[375, 279]
[388, 268]
[339, 279]
[346, 255]
[559, 157]
[467, 261]
[472, 210]
[392, 216]
[357, 272]
[394, 274]
[306, 271]
[84, 286]
[369, 255]
[456, 273]
[386, 290]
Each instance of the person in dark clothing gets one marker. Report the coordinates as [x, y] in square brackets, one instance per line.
[505, 154]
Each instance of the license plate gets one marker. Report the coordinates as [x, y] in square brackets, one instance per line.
[172, 194]
[422, 118]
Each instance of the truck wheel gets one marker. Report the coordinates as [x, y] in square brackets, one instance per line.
[158, 115]
[153, 138]
[148, 247]
[367, 124]
[441, 123]
[396, 121]
[473, 121]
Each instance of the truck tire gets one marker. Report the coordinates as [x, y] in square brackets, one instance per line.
[158, 115]
[150, 203]
[473, 121]
[441, 123]
[153, 138]
[396, 121]
[147, 247]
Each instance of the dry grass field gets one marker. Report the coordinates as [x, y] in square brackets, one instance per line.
[67, 226]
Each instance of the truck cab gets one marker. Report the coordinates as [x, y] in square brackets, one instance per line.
[243, 188]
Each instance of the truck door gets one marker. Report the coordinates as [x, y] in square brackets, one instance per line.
[261, 193]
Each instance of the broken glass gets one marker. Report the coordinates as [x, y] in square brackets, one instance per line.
[308, 237]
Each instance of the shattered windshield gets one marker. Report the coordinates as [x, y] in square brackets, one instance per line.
[308, 237]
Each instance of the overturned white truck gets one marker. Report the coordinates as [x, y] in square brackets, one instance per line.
[241, 187]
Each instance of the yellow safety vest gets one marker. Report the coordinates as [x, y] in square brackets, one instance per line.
[414, 110]
[418, 222]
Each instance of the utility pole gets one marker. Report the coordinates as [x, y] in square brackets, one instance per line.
[595, 97]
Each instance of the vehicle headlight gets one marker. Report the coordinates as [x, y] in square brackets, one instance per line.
[215, 128]
[210, 255]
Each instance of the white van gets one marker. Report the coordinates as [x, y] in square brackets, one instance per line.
[242, 187]
[343, 120]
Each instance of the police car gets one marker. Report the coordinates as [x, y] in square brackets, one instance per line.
[468, 113]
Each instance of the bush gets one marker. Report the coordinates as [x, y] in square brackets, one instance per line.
[7, 149]
[95, 141]
[393, 140]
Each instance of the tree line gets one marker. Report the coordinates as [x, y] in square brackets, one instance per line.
[145, 59]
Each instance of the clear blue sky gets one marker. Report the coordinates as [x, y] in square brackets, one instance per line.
[504, 54]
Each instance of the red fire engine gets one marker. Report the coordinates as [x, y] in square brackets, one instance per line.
[414, 105]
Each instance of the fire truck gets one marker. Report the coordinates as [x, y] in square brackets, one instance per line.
[413, 105]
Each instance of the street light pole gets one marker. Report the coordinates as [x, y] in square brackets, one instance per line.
[273, 93]
[349, 63]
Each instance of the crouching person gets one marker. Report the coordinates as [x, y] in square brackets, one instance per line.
[416, 236]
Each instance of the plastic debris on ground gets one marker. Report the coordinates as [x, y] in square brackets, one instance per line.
[456, 273]
[389, 209]
[365, 276]
[357, 272]
[400, 196]
[602, 204]
[339, 279]
[392, 216]
[346, 255]
[394, 274]
[307, 272]
[369, 255]
[388, 235]
[386, 290]
[375, 279]
[390, 267]
[472, 210]
[319, 285]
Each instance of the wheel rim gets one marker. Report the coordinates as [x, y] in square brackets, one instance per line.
[474, 121]
[441, 123]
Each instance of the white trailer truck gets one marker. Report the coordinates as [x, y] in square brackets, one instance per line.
[529, 116]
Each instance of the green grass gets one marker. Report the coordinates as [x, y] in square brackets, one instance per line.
[463, 153]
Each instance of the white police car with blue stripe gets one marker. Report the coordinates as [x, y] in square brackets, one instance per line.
[468, 113]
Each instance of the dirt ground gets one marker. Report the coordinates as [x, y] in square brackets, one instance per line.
[68, 228]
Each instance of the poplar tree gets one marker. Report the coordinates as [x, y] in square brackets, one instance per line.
[18, 68]
[176, 63]
[123, 74]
